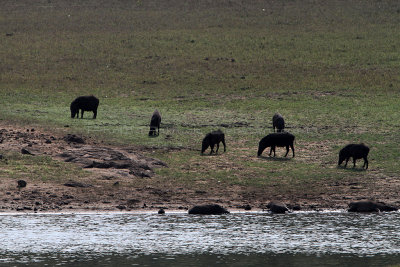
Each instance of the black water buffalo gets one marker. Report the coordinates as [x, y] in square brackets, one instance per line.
[370, 206]
[212, 139]
[278, 122]
[155, 123]
[277, 207]
[213, 209]
[274, 140]
[84, 103]
[355, 151]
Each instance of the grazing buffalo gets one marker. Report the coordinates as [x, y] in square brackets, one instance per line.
[276, 140]
[278, 122]
[84, 103]
[155, 123]
[355, 151]
[212, 139]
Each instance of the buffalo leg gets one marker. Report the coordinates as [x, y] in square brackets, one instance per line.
[292, 147]
[365, 162]
[81, 113]
[287, 151]
[223, 142]
[212, 149]
[354, 162]
[217, 148]
[347, 160]
[94, 114]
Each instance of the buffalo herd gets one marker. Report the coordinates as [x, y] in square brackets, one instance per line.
[281, 138]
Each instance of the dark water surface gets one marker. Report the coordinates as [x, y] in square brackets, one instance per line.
[176, 239]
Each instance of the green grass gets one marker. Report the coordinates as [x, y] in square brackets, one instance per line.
[332, 68]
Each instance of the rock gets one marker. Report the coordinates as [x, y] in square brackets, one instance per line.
[26, 152]
[48, 141]
[370, 206]
[21, 183]
[76, 184]
[161, 211]
[72, 138]
[277, 207]
[296, 207]
[247, 207]
[121, 207]
[212, 209]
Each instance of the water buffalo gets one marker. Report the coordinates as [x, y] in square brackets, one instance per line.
[278, 122]
[212, 209]
[212, 139]
[155, 123]
[277, 207]
[274, 140]
[84, 103]
[355, 151]
[370, 206]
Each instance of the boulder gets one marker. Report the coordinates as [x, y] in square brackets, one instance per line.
[161, 211]
[213, 209]
[26, 152]
[21, 183]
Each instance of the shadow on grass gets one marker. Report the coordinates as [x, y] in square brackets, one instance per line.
[211, 155]
[274, 158]
[353, 169]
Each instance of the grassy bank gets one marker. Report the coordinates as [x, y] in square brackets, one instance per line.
[330, 67]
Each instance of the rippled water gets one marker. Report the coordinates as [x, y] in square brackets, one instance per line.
[251, 239]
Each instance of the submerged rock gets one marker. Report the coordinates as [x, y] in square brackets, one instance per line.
[213, 209]
[161, 211]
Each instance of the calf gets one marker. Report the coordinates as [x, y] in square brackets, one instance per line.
[155, 123]
[276, 140]
[84, 103]
[211, 139]
[278, 122]
[355, 151]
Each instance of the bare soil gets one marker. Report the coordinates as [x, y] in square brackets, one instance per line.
[123, 178]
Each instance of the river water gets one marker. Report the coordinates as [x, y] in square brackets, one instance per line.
[179, 239]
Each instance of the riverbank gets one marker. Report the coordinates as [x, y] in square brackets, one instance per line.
[65, 174]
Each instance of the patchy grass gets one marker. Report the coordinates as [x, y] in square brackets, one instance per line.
[38, 168]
